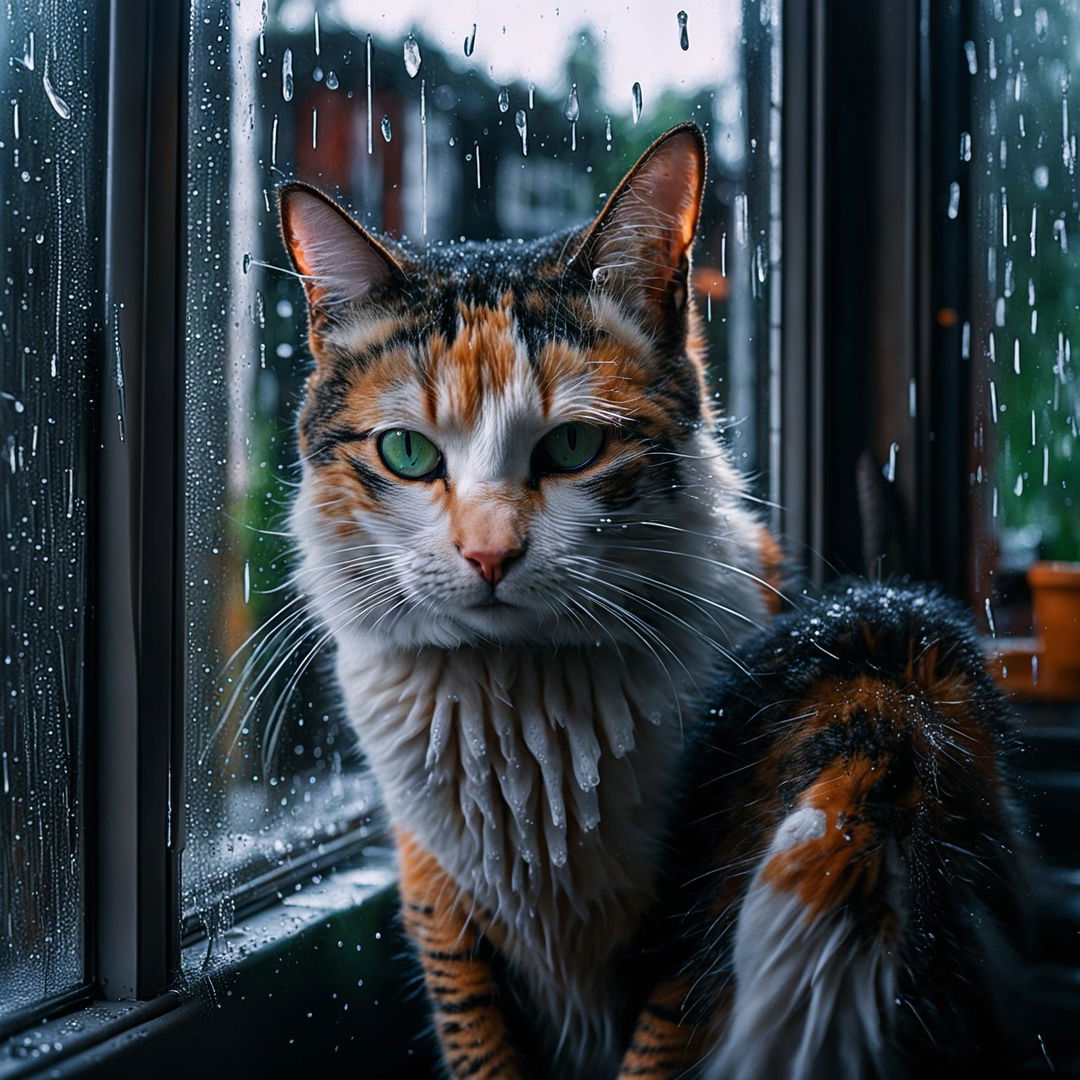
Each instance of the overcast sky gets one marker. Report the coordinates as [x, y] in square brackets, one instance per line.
[525, 40]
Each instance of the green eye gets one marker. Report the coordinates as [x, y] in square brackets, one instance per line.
[569, 447]
[409, 454]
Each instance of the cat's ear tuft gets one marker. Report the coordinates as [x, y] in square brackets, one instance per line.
[638, 248]
[339, 262]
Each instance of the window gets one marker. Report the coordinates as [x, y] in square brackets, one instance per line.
[1019, 165]
[885, 267]
[53, 316]
[493, 139]
[172, 750]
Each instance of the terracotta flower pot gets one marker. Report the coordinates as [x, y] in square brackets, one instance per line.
[1055, 594]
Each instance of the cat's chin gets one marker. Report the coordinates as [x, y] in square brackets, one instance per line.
[502, 623]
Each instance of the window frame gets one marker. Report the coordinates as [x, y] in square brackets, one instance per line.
[137, 744]
[875, 286]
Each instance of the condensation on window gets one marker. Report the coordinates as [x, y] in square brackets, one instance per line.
[51, 207]
[470, 120]
[1021, 157]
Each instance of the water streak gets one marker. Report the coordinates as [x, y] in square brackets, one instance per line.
[287, 75]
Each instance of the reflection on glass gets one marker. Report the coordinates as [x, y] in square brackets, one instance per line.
[51, 205]
[1025, 260]
[435, 122]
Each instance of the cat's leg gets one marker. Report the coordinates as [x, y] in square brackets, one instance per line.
[461, 985]
[870, 933]
[664, 1044]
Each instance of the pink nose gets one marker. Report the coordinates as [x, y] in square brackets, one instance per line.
[491, 564]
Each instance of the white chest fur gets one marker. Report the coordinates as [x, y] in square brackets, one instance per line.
[540, 781]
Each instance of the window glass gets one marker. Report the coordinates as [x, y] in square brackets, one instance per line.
[436, 122]
[51, 210]
[1025, 265]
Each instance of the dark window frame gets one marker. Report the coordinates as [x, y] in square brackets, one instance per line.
[901, 61]
[876, 293]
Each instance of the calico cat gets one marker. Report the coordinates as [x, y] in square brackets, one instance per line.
[537, 561]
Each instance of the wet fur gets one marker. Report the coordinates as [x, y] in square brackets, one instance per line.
[603, 858]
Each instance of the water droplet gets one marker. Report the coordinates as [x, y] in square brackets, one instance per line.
[954, 200]
[60, 106]
[607, 130]
[522, 124]
[972, 59]
[1042, 23]
[287, 75]
[470, 41]
[636, 91]
[28, 53]
[504, 99]
[367, 50]
[332, 81]
[384, 127]
[965, 145]
[684, 40]
[246, 266]
[890, 469]
[40, 238]
[412, 56]
[572, 108]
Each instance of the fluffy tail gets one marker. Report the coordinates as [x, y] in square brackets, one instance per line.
[871, 926]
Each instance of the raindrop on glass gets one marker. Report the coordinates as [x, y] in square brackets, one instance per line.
[572, 108]
[287, 75]
[332, 81]
[522, 124]
[412, 56]
[470, 41]
[504, 99]
[742, 218]
[60, 106]
[28, 53]
[954, 200]
[636, 91]
[367, 50]
[972, 59]
[965, 145]
[1059, 234]
[384, 127]
[684, 39]
[1042, 22]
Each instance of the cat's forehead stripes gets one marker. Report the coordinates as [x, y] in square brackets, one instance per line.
[486, 360]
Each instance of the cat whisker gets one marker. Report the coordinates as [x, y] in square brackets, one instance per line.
[664, 613]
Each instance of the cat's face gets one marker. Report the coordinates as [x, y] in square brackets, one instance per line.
[492, 433]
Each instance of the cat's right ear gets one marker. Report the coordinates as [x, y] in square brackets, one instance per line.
[338, 261]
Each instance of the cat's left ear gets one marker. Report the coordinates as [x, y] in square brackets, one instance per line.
[639, 247]
[339, 262]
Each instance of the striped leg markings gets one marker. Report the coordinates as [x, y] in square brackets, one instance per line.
[460, 984]
[664, 1044]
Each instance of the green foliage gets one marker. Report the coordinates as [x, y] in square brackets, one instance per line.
[1028, 245]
